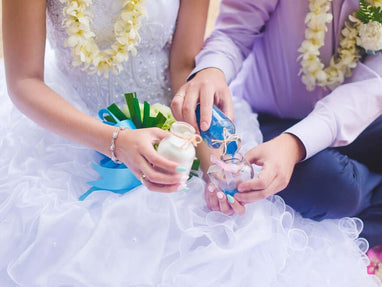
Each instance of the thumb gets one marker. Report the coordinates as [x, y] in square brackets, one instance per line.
[159, 134]
[253, 155]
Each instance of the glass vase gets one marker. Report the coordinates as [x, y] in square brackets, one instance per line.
[228, 172]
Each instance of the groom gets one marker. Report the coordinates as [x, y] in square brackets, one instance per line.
[322, 149]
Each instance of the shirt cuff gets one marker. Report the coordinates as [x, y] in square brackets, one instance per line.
[212, 60]
[315, 134]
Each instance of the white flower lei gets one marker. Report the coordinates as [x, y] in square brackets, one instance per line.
[312, 69]
[82, 42]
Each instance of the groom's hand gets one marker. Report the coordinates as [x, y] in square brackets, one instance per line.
[277, 158]
[208, 87]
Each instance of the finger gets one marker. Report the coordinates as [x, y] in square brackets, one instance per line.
[223, 203]
[157, 134]
[164, 188]
[157, 175]
[153, 158]
[235, 205]
[177, 104]
[261, 182]
[189, 106]
[253, 155]
[253, 196]
[211, 198]
[227, 105]
[206, 103]
[160, 187]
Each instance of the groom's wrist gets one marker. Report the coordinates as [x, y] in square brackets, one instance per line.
[298, 147]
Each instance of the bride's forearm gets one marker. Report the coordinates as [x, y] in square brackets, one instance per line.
[48, 109]
[204, 153]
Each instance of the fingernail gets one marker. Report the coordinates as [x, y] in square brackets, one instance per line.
[220, 195]
[230, 199]
[180, 169]
[204, 126]
[182, 187]
[210, 187]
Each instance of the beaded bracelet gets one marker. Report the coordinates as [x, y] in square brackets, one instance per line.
[112, 145]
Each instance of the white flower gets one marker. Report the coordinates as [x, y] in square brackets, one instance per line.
[370, 36]
[308, 47]
[377, 3]
[313, 72]
[166, 111]
[159, 108]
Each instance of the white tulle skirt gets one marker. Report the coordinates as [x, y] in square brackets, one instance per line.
[50, 239]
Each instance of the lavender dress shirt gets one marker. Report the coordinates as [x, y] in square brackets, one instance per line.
[256, 43]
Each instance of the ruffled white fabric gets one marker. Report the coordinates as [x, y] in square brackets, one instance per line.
[50, 239]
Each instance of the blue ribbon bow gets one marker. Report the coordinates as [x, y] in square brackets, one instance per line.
[116, 178]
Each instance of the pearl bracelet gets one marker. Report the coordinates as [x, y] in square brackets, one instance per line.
[112, 145]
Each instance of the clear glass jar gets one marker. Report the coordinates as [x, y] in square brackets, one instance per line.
[228, 172]
[178, 146]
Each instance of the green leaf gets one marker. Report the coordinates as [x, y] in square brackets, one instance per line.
[146, 114]
[110, 119]
[137, 114]
[195, 164]
[113, 108]
[129, 101]
[133, 105]
[367, 12]
[150, 122]
[192, 174]
[160, 119]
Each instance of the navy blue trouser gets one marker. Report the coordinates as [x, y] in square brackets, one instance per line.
[337, 182]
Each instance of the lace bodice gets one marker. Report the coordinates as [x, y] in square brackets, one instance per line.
[146, 73]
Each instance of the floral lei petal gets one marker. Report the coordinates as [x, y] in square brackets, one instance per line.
[81, 39]
[313, 71]
[356, 35]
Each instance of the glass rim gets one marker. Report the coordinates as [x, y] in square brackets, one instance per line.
[237, 157]
[179, 124]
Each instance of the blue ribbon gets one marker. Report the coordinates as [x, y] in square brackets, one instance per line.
[115, 177]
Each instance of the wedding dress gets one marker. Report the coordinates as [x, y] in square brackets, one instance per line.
[48, 238]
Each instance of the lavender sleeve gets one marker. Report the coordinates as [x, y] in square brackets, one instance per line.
[238, 24]
[340, 117]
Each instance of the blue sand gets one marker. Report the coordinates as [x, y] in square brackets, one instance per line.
[218, 122]
[231, 192]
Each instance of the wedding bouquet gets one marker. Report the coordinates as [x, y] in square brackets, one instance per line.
[117, 177]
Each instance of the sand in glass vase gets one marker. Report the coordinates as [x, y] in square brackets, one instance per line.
[228, 172]
[221, 130]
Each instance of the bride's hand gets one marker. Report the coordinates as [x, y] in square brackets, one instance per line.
[135, 148]
[218, 201]
[208, 87]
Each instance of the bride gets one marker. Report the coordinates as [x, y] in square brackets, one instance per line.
[100, 50]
